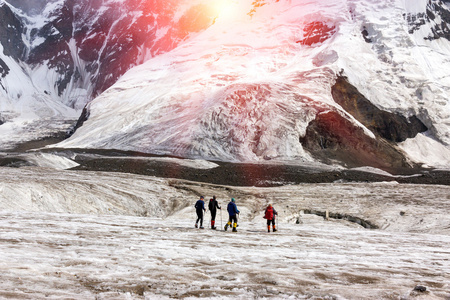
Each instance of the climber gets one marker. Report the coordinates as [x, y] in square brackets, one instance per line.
[232, 212]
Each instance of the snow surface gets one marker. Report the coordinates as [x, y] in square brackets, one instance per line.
[191, 163]
[47, 160]
[85, 235]
[245, 89]
[29, 101]
[425, 148]
[79, 234]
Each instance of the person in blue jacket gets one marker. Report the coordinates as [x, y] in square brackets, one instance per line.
[232, 212]
[200, 208]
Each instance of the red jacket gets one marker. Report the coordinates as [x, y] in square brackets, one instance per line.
[270, 213]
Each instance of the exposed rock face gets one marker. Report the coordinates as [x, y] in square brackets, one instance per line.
[11, 30]
[76, 50]
[90, 44]
[390, 126]
[83, 117]
[331, 136]
[28, 6]
[55, 48]
[437, 15]
[4, 70]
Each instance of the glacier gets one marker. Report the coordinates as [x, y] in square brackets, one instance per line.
[57, 56]
[104, 235]
[322, 108]
[246, 88]
[248, 81]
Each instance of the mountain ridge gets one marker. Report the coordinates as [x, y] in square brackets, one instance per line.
[246, 87]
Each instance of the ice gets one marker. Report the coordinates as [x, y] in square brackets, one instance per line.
[69, 234]
[97, 235]
[373, 170]
[52, 161]
[425, 148]
[416, 6]
[246, 90]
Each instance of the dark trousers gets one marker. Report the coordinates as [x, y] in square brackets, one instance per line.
[271, 221]
[199, 217]
[213, 215]
[232, 219]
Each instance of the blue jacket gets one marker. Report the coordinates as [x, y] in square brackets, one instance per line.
[200, 205]
[232, 209]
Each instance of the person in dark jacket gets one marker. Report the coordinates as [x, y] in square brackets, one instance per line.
[232, 212]
[200, 208]
[213, 206]
[270, 216]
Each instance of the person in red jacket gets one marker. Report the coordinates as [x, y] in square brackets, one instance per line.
[270, 216]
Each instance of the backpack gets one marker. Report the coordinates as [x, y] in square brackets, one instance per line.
[269, 213]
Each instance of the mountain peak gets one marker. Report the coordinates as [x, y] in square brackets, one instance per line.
[247, 80]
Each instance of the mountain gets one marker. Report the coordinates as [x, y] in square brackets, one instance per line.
[56, 56]
[350, 82]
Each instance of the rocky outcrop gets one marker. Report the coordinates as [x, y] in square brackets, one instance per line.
[4, 69]
[437, 11]
[333, 137]
[11, 30]
[90, 44]
[55, 48]
[390, 126]
[83, 118]
[437, 15]
[30, 6]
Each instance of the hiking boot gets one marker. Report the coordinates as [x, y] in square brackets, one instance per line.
[226, 227]
[274, 230]
[214, 228]
[201, 227]
[196, 226]
[234, 229]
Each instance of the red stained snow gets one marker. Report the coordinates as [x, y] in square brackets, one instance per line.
[316, 32]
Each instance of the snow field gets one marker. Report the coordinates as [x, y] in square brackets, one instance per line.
[69, 234]
[57, 256]
[246, 89]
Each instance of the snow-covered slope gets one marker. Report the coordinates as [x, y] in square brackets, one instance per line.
[275, 81]
[354, 82]
[55, 56]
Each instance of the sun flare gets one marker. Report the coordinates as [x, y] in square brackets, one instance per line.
[225, 8]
